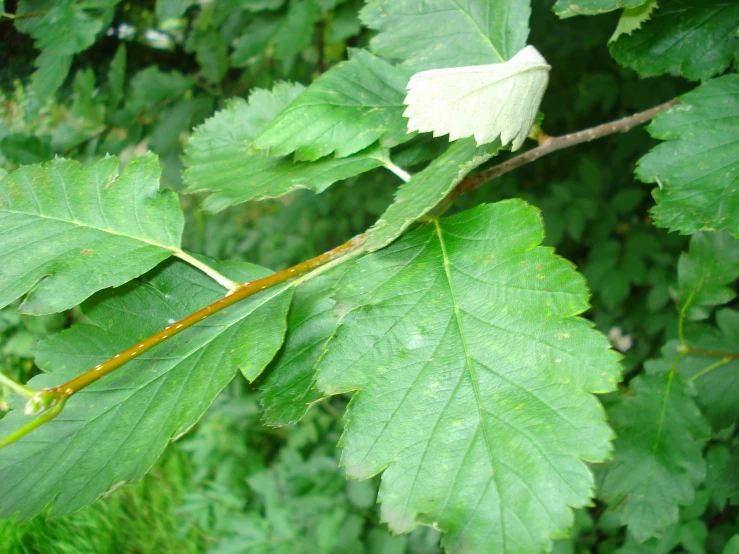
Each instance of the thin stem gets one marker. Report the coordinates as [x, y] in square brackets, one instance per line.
[245, 291]
[399, 171]
[710, 353]
[13, 17]
[33, 424]
[710, 368]
[552, 144]
[16, 387]
[219, 278]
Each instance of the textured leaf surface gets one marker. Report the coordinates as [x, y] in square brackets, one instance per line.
[288, 390]
[698, 165]
[218, 161]
[484, 101]
[115, 429]
[67, 231]
[689, 38]
[473, 377]
[428, 188]
[345, 110]
[657, 461]
[448, 33]
[569, 8]
[715, 378]
[706, 272]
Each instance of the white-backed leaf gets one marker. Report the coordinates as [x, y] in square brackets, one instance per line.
[484, 101]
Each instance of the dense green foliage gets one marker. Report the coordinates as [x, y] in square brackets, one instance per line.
[549, 362]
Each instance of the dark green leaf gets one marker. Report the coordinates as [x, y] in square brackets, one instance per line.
[697, 167]
[568, 8]
[695, 39]
[345, 110]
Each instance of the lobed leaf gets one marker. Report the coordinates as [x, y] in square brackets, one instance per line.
[68, 231]
[114, 430]
[695, 39]
[473, 379]
[658, 459]
[218, 159]
[345, 110]
[447, 33]
[428, 188]
[570, 8]
[697, 167]
[705, 273]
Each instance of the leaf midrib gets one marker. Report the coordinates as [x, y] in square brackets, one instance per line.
[471, 371]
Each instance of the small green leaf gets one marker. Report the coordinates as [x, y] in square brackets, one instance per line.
[52, 70]
[218, 161]
[69, 231]
[705, 273]
[694, 39]
[697, 167]
[345, 110]
[447, 33]
[633, 18]
[569, 8]
[473, 378]
[658, 458]
[428, 188]
[114, 430]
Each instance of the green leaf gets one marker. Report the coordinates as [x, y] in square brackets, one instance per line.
[211, 52]
[69, 231]
[473, 380]
[633, 18]
[697, 167]
[288, 391]
[428, 188]
[52, 70]
[569, 8]
[715, 377]
[658, 461]
[217, 157]
[706, 272]
[114, 430]
[281, 37]
[345, 110]
[66, 27]
[117, 76]
[694, 39]
[447, 33]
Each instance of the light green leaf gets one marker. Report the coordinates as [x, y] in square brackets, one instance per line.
[68, 231]
[689, 38]
[114, 430]
[569, 8]
[633, 18]
[348, 108]
[715, 378]
[428, 188]
[288, 390]
[698, 165]
[706, 272]
[658, 458]
[218, 161]
[473, 380]
[447, 33]
[484, 101]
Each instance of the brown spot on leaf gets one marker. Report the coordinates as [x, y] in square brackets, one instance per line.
[87, 251]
